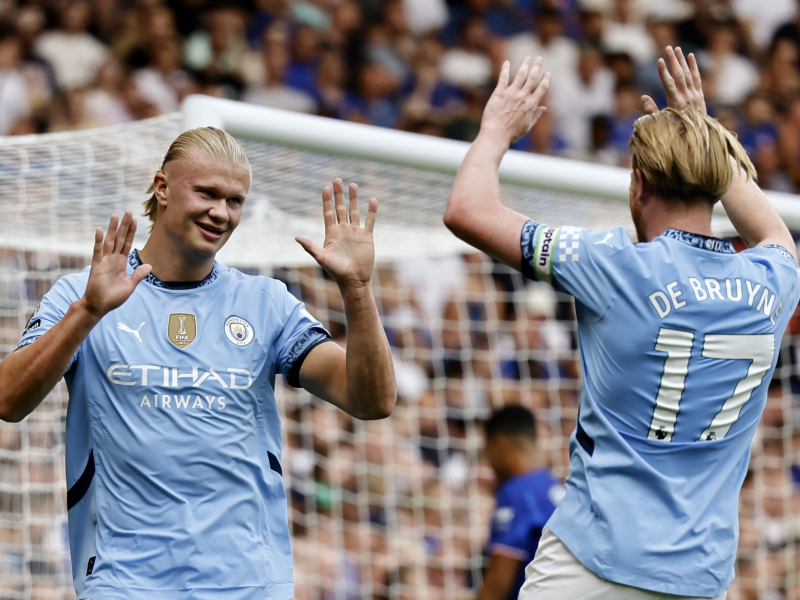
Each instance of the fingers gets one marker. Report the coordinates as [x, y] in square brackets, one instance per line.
[126, 247]
[108, 243]
[533, 75]
[372, 214]
[328, 213]
[519, 78]
[122, 232]
[541, 90]
[310, 247]
[676, 69]
[695, 71]
[650, 106]
[502, 81]
[338, 201]
[355, 216]
[140, 273]
[666, 79]
[687, 75]
[97, 253]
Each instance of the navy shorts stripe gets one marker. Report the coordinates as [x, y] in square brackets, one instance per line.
[275, 464]
[584, 440]
[76, 493]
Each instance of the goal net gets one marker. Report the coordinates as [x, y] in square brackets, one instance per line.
[394, 509]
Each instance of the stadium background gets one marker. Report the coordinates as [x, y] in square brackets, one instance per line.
[399, 508]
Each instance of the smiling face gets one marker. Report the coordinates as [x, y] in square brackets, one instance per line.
[200, 200]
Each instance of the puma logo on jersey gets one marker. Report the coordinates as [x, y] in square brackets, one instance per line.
[135, 332]
[605, 240]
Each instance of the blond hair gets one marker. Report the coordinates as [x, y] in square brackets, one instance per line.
[684, 155]
[209, 140]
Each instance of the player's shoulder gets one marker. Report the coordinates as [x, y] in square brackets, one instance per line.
[72, 285]
[776, 263]
[772, 254]
[275, 289]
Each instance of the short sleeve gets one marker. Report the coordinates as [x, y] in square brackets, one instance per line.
[782, 270]
[50, 311]
[300, 334]
[581, 262]
[511, 527]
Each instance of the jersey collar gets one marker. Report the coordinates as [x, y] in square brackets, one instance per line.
[134, 261]
[701, 241]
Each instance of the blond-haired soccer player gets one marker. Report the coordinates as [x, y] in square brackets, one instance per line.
[678, 339]
[173, 435]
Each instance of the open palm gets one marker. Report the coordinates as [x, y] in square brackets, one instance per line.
[109, 285]
[348, 252]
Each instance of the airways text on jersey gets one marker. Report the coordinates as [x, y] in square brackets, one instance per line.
[749, 293]
[190, 379]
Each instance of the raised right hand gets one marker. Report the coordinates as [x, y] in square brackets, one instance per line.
[513, 107]
[683, 87]
[109, 285]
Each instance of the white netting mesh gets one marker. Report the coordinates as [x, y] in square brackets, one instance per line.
[392, 509]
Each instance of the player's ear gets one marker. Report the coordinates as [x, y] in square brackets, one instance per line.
[642, 190]
[160, 188]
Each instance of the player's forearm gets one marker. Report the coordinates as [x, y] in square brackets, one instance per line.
[29, 374]
[370, 384]
[753, 216]
[476, 191]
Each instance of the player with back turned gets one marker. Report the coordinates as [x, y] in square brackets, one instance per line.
[173, 451]
[679, 337]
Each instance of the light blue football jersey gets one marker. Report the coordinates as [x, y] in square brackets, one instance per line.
[678, 341]
[174, 441]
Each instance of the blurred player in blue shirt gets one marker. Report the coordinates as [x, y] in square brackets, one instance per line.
[173, 454]
[527, 494]
[679, 337]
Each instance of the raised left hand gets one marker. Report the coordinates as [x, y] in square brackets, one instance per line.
[683, 87]
[348, 252]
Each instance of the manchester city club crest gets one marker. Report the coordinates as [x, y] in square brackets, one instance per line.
[239, 331]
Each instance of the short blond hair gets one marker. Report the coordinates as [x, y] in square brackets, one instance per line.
[684, 155]
[208, 140]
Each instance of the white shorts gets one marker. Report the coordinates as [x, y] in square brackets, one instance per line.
[555, 574]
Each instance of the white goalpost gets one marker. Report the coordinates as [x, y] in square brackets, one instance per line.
[393, 509]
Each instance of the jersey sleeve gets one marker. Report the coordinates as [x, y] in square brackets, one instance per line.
[581, 262]
[511, 527]
[783, 272]
[50, 311]
[301, 333]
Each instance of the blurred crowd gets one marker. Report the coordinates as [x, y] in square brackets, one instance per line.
[400, 509]
[421, 65]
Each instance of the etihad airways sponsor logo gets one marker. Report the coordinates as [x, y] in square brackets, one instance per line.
[180, 377]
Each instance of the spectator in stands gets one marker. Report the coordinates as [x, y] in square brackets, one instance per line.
[390, 45]
[220, 51]
[14, 99]
[625, 33]
[578, 96]
[373, 99]
[274, 92]
[780, 77]
[731, 75]
[103, 103]
[468, 66]
[498, 19]
[558, 51]
[72, 52]
[162, 82]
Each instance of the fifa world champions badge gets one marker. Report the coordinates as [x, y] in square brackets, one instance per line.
[182, 329]
[239, 331]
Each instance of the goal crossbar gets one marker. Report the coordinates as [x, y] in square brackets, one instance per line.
[427, 153]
